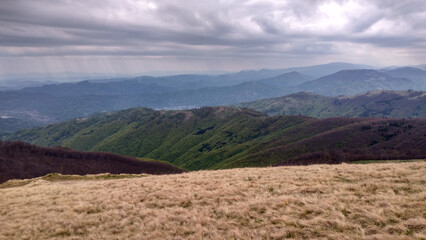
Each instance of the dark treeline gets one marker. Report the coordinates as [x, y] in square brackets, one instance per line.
[350, 155]
[20, 160]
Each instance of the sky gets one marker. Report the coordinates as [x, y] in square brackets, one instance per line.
[136, 36]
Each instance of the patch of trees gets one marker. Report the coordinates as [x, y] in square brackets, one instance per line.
[19, 160]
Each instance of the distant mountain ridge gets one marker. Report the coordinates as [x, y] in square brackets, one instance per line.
[144, 84]
[379, 103]
[225, 137]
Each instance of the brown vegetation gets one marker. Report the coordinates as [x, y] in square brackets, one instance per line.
[337, 140]
[19, 160]
[374, 201]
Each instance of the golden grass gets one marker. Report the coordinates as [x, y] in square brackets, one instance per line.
[374, 201]
[59, 177]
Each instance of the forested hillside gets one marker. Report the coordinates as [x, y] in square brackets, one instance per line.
[225, 137]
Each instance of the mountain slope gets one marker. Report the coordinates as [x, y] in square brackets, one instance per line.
[337, 140]
[349, 82]
[246, 91]
[223, 137]
[395, 104]
[322, 70]
[19, 160]
[286, 80]
[204, 135]
[416, 75]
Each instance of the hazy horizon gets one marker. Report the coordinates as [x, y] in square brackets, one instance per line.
[75, 76]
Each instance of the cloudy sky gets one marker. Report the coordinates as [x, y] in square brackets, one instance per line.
[135, 36]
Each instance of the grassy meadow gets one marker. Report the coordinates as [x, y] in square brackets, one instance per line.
[346, 201]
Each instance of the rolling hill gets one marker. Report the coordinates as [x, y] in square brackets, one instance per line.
[20, 160]
[225, 137]
[380, 103]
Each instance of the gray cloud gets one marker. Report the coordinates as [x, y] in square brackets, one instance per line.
[246, 33]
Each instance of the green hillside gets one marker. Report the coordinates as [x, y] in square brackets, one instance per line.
[381, 103]
[224, 137]
[195, 139]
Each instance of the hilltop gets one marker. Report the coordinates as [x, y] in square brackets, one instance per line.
[379, 103]
[374, 201]
[20, 160]
[226, 137]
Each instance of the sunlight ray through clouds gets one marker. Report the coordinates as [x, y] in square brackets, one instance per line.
[138, 28]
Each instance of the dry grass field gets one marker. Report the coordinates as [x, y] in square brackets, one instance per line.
[372, 201]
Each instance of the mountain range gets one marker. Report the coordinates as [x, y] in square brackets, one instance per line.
[226, 137]
[53, 103]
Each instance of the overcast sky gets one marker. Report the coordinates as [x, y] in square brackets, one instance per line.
[135, 36]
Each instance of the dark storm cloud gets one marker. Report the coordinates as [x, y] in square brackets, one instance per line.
[214, 29]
